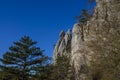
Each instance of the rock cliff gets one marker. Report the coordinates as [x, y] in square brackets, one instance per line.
[63, 46]
[75, 44]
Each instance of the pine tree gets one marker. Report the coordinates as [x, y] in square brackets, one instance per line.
[23, 60]
[60, 71]
[84, 17]
[86, 14]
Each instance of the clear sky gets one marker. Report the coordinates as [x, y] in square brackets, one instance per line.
[42, 20]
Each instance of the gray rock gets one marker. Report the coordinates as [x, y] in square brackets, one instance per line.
[75, 44]
[78, 59]
[63, 45]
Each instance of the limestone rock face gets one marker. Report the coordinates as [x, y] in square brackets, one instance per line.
[75, 45]
[107, 9]
[77, 37]
[63, 45]
[56, 49]
[78, 59]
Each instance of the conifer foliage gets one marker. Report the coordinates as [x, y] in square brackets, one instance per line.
[61, 70]
[23, 60]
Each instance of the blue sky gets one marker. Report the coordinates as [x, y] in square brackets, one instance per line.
[42, 20]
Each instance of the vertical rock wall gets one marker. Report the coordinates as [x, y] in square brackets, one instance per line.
[63, 46]
[78, 58]
[106, 11]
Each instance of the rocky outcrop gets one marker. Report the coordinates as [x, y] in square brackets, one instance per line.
[106, 12]
[63, 46]
[107, 9]
[78, 58]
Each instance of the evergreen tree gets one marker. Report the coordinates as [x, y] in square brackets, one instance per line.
[86, 14]
[23, 60]
[60, 71]
[84, 17]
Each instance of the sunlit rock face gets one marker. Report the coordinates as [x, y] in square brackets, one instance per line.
[76, 43]
[77, 37]
[107, 9]
[63, 46]
[78, 58]
[57, 46]
[107, 12]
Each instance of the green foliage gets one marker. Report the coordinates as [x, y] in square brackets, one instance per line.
[23, 60]
[60, 71]
[84, 17]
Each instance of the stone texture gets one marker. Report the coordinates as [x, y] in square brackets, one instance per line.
[78, 57]
[63, 45]
[106, 11]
